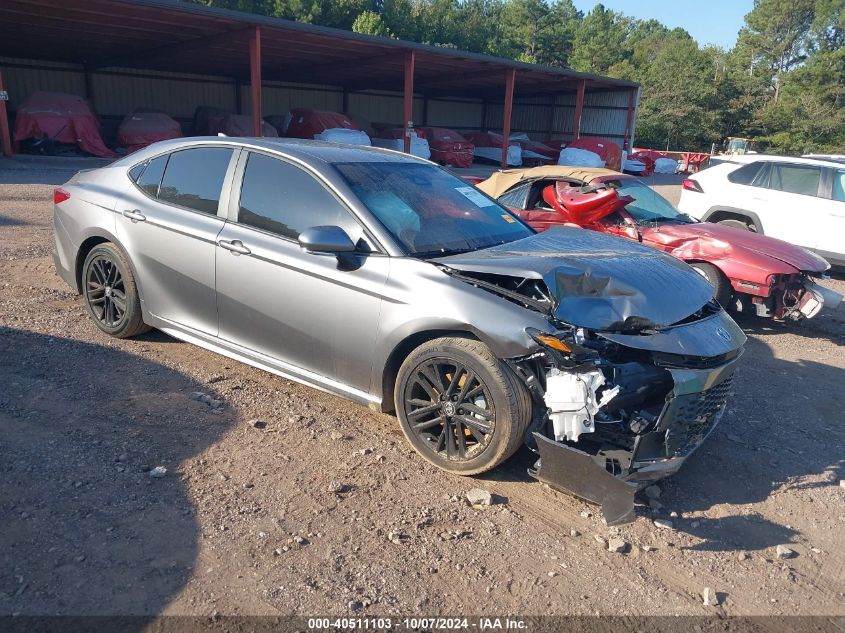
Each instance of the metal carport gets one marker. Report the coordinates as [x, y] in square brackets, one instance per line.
[166, 35]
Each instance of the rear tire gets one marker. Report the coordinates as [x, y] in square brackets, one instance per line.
[717, 279]
[739, 224]
[110, 294]
[460, 407]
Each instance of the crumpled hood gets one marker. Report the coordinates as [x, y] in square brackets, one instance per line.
[706, 240]
[598, 281]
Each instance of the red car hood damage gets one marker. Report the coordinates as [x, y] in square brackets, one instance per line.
[707, 241]
[741, 254]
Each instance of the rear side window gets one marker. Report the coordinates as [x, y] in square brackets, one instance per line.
[515, 198]
[803, 179]
[838, 191]
[136, 171]
[745, 174]
[194, 178]
[150, 179]
[283, 199]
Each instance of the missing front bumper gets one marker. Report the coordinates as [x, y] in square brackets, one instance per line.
[692, 411]
[573, 471]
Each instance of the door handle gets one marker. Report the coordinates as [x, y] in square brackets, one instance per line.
[236, 246]
[134, 215]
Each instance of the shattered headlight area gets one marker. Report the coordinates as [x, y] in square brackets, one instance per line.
[610, 418]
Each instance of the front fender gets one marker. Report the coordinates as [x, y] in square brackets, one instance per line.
[421, 301]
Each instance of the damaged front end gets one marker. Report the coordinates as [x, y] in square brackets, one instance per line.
[610, 418]
[788, 297]
[635, 369]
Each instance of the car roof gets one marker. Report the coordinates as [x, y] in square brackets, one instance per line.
[802, 160]
[504, 180]
[314, 153]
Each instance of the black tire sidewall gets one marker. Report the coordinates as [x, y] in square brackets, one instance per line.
[722, 289]
[128, 324]
[500, 446]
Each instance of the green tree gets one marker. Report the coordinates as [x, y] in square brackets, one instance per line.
[370, 23]
[776, 32]
[599, 41]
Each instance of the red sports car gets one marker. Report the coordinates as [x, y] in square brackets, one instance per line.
[750, 272]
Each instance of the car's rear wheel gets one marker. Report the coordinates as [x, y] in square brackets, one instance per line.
[111, 296]
[460, 407]
[739, 224]
[716, 278]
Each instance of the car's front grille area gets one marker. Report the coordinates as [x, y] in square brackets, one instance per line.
[692, 417]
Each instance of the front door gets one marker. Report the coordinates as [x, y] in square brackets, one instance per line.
[831, 241]
[309, 311]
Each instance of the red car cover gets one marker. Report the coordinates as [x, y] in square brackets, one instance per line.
[447, 146]
[63, 118]
[647, 158]
[487, 139]
[241, 125]
[141, 128]
[306, 123]
[556, 144]
[609, 151]
[209, 121]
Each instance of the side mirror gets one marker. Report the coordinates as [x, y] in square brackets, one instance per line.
[326, 239]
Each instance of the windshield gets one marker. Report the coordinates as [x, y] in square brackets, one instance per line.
[736, 144]
[430, 212]
[648, 206]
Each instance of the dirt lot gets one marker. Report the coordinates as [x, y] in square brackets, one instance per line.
[244, 521]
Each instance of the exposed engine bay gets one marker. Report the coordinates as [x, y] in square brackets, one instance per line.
[609, 419]
[619, 401]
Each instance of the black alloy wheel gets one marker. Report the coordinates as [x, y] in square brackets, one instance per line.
[111, 295]
[450, 409]
[105, 291]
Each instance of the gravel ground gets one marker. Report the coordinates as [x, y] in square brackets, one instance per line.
[285, 500]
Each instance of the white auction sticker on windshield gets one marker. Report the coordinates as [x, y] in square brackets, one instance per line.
[475, 196]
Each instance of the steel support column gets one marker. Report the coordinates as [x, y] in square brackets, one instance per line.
[629, 119]
[5, 139]
[510, 80]
[579, 109]
[89, 89]
[255, 79]
[408, 100]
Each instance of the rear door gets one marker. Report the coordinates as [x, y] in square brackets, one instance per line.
[168, 223]
[744, 190]
[304, 309]
[794, 210]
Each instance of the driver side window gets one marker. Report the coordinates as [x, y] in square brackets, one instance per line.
[281, 198]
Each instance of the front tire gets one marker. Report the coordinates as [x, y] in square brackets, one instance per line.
[460, 407]
[111, 296]
[721, 285]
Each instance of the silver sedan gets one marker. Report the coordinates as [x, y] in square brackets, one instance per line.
[383, 278]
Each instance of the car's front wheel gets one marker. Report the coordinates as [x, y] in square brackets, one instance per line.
[111, 296]
[460, 407]
[722, 289]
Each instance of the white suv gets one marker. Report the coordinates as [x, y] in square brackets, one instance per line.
[799, 200]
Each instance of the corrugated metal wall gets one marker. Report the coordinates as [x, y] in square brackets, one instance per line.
[118, 91]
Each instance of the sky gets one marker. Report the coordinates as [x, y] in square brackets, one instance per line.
[709, 22]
